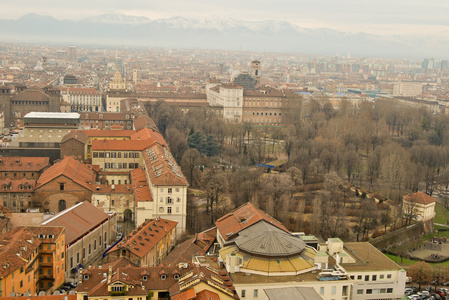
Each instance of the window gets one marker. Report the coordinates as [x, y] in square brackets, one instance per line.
[352, 277]
[21, 269]
[21, 283]
[390, 290]
[61, 186]
[169, 200]
[117, 288]
[112, 202]
[95, 154]
[169, 190]
[256, 292]
[163, 276]
[381, 276]
[176, 276]
[77, 257]
[322, 290]
[71, 262]
[388, 276]
[243, 293]
[95, 245]
[334, 289]
[369, 291]
[178, 199]
[90, 249]
[366, 277]
[359, 277]
[168, 210]
[144, 278]
[84, 253]
[359, 292]
[344, 291]
[374, 277]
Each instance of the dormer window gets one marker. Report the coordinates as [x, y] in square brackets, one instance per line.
[50, 236]
[86, 277]
[144, 277]
[176, 276]
[41, 236]
[163, 276]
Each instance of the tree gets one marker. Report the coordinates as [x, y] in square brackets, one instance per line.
[189, 162]
[350, 162]
[421, 273]
[279, 189]
[215, 184]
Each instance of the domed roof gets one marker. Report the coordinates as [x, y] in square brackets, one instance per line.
[270, 243]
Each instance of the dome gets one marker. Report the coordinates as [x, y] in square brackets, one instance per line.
[270, 243]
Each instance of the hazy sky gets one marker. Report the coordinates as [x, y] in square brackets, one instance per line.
[378, 17]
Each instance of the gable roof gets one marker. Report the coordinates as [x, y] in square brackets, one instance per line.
[162, 167]
[241, 218]
[78, 220]
[109, 133]
[24, 164]
[198, 245]
[70, 168]
[419, 197]
[124, 145]
[77, 135]
[145, 237]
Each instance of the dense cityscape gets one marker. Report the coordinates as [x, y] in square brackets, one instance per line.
[167, 173]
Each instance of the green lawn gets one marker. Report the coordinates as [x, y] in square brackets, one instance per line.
[408, 262]
[442, 214]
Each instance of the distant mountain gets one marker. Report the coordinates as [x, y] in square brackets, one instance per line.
[214, 33]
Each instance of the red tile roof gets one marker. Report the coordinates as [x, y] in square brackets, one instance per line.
[419, 197]
[186, 295]
[17, 186]
[123, 145]
[140, 185]
[162, 167]
[207, 295]
[76, 135]
[78, 220]
[23, 164]
[109, 133]
[45, 297]
[198, 245]
[241, 218]
[147, 133]
[145, 237]
[70, 168]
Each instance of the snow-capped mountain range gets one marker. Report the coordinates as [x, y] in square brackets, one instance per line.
[214, 33]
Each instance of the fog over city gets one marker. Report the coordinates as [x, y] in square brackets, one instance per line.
[386, 28]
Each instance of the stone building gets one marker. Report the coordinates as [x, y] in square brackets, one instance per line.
[63, 185]
[148, 245]
[90, 237]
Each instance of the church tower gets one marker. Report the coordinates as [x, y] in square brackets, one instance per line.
[255, 71]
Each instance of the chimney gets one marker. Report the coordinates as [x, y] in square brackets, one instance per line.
[109, 274]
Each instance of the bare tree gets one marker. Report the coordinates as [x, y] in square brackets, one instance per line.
[189, 162]
[421, 273]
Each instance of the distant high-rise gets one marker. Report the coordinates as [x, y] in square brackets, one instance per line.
[255, 71]
[72, 52]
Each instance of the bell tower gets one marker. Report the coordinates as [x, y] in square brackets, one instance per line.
[255, 71]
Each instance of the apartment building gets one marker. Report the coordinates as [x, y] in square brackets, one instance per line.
[32, 259]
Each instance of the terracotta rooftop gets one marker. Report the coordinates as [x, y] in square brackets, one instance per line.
[70, 168]
[18, 245]
[17, 186]
[78, 220]
[244, 216]
[419, 197]
[76, 135]
[140, 185]
[144, 121]
[198, 245]
[147, 133]
[146, 236]
[109, 133]
[95, 285]
[123, 145]
[23, 164]
[162, 167]
[44, 297]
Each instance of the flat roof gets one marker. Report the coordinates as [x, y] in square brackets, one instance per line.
[52, 115]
